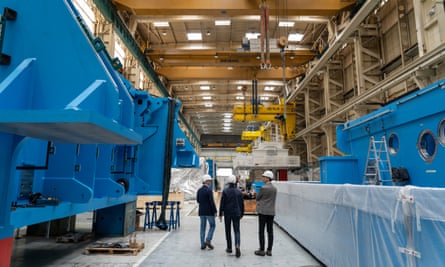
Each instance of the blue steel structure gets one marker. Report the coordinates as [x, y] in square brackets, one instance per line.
[396, 223]
[75, 135]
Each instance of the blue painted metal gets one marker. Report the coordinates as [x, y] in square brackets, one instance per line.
[407, 118]
[71, 127]
[376, 225]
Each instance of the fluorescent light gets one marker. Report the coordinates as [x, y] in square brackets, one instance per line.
[286, 24]
[269, 88]
[194, 36]
[239, 97]
[239, 87]
[227, 120]
[206, 97]
[264, 98]
[227, 115]
[295, 37]
[227, 124]
[204, 87]
[252, 35]
[222, 22]
[161, 24]
[208, 105]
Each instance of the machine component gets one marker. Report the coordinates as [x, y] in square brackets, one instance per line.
[278, 113]
[72, 128]
[8, 14]
[403, 224]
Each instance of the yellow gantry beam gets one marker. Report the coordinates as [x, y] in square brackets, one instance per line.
[233, 7]
[227, 73]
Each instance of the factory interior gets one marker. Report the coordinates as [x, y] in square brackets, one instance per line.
[341, 100]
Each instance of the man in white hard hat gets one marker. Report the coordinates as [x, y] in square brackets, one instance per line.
[265, 207]
[207, 211]
[231, 207]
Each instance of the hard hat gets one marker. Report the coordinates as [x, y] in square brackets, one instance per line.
[268, 174]
[231, 179]
[206, 177]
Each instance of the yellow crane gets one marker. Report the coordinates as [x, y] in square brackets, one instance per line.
[282, 114]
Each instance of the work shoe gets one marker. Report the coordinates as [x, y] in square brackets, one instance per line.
[269, 252]
[238, 252]
[260, 252]
[210, 246]
[203, 246]
[228, 250]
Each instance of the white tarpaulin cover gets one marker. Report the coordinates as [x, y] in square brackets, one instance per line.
[357, 225]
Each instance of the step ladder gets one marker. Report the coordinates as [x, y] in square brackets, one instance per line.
[378, 165]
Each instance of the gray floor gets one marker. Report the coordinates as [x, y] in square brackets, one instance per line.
[163, 248]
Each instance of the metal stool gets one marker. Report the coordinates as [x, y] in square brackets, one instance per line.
[148, 221]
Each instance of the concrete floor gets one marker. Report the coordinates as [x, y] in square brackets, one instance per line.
[164, 248]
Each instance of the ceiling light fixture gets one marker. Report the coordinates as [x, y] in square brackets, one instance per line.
[286, 24]
[215, 56]
[204, 87]
[164, 33]
[194, 36]
[161, 24]
[222, 22]
[208, 105]
[206, 97]
[295, 37]
[252, 35]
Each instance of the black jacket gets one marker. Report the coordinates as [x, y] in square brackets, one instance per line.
[207, 206]
[232, 202]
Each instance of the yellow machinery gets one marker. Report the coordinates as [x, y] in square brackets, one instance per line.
[284, 116]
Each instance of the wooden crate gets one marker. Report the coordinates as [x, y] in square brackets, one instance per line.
[249, 206]
[172, 196]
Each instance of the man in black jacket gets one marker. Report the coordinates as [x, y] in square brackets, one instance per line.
[207, 211]
[232, 207]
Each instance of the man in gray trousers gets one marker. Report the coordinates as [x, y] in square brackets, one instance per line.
[265, 207]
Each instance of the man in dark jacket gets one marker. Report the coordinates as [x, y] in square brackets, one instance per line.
[232, 208]
[265, 207]
[207, 211]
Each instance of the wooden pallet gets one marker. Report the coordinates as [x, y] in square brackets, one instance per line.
[134, 250]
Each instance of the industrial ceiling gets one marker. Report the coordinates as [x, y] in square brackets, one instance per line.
[213, 74]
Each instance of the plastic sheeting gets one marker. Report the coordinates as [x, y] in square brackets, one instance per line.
[188, 180]
[355, 225]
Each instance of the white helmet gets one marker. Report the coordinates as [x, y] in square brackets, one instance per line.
[268, 174]
[231, 179]
[206, 177]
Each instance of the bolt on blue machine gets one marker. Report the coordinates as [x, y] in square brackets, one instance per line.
[75, 135]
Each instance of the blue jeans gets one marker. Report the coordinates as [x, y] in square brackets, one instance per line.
[202, 231]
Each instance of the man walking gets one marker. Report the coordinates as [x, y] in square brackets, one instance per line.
[265, 207]
[232, 207]
[207, 211]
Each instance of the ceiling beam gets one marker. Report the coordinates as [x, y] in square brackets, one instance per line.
[220, 73]
[233, 7]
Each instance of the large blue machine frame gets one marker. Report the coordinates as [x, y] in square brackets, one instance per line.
[346, 223]
[73, 131]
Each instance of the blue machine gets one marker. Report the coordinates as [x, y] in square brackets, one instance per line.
[75, 135]
[343, 222]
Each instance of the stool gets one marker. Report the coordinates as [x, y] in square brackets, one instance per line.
[172, 221]
[147, 218]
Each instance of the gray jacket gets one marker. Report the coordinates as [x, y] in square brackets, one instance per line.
[265, 199]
